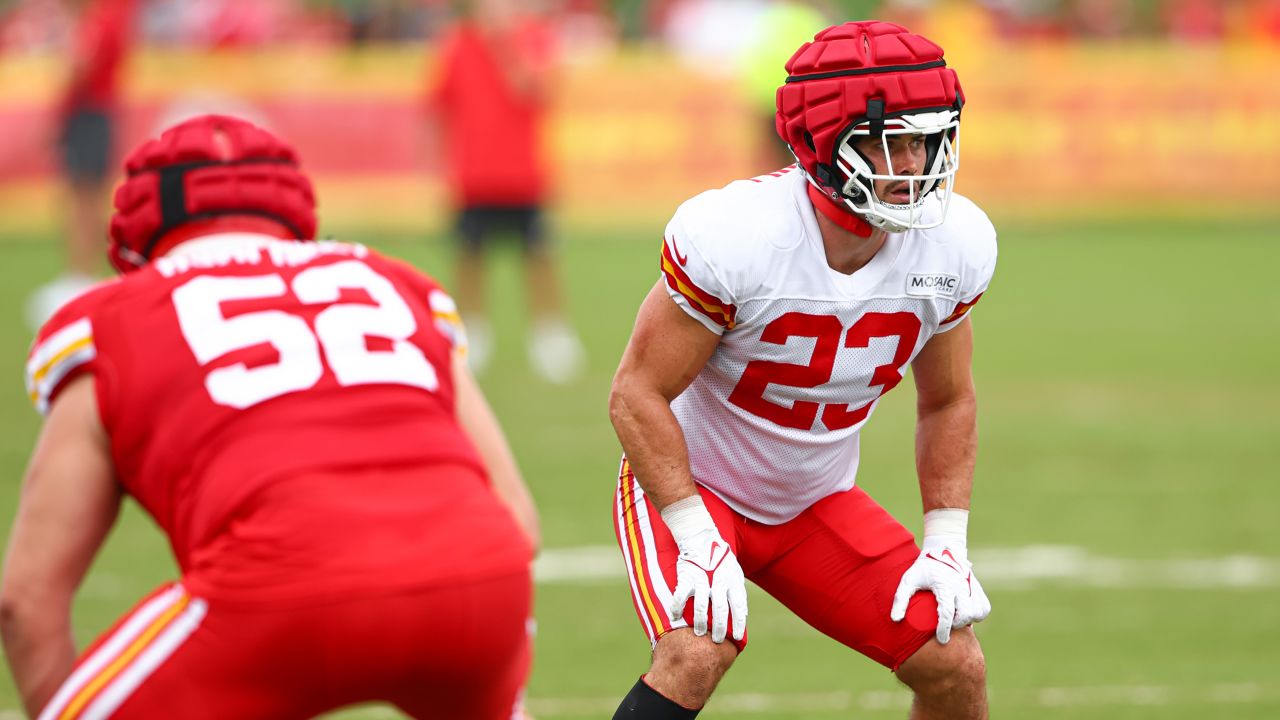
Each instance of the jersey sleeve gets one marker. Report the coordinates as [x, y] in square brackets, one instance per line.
[63, 350]
[443, 309]
[693, 281]
[444, 313]
[978, 263]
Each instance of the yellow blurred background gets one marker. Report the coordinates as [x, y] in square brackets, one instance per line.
[1056, 121]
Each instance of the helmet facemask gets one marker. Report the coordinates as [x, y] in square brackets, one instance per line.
[941, 132]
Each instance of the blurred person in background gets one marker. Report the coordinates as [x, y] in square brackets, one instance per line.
[787, 305]
[297, 418]
[87, 118]
[388, 20]
[781, 27]
[487, 101]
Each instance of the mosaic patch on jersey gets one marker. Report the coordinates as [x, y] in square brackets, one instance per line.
[722, 313]
[933, 284]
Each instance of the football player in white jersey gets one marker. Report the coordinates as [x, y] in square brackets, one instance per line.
[788, 304]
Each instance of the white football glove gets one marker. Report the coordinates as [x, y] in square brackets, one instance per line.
[943, 568]
[706, 571]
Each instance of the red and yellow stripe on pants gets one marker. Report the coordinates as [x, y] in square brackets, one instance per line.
[635, 529]
[110, 671]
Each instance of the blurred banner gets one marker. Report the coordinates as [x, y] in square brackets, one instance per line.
[1050, 129]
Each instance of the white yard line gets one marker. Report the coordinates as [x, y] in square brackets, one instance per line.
[1010, 569]
[1020, 568]
[1098, 696]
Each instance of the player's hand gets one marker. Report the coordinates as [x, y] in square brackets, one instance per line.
[943, 568]
[708, 572]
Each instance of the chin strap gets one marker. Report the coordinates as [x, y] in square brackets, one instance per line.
[838, 214]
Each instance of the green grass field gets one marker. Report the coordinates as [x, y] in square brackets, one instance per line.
[1130, 416]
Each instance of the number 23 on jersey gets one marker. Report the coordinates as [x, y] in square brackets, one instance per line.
[826, 331]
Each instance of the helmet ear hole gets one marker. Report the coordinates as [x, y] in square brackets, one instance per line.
[808, 140]
[853, 191]
[856, 184]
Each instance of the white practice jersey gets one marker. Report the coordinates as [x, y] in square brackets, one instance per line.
[806, 352]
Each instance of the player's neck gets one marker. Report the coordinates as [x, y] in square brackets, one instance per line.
[847, 252]
[849, 243]
[219, 224]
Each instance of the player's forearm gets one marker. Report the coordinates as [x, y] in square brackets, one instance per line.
[39, 648]
[510, 486]
[946, 452]
[653, 442]
[481, 425]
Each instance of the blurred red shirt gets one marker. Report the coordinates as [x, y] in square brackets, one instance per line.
[488, 94]
[104, 33]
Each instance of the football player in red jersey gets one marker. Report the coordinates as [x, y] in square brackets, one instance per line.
[295, 415]
[788, 304]
[488, 96]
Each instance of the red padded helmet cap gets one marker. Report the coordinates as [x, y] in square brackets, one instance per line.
[830, 81]
[206, 167]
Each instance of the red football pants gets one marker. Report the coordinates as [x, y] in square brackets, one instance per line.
[836, 566]
[455, 652]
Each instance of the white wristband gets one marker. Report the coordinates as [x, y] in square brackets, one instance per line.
[948, 522]
[686, 518]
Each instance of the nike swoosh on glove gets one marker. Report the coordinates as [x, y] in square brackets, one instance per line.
[708, 571]
[943, 568]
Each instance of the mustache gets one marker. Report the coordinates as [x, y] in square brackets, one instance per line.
[904, 185]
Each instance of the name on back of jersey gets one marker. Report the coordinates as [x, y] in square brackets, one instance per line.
[280, 254]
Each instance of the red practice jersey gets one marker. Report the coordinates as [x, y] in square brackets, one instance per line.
[285, 412]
